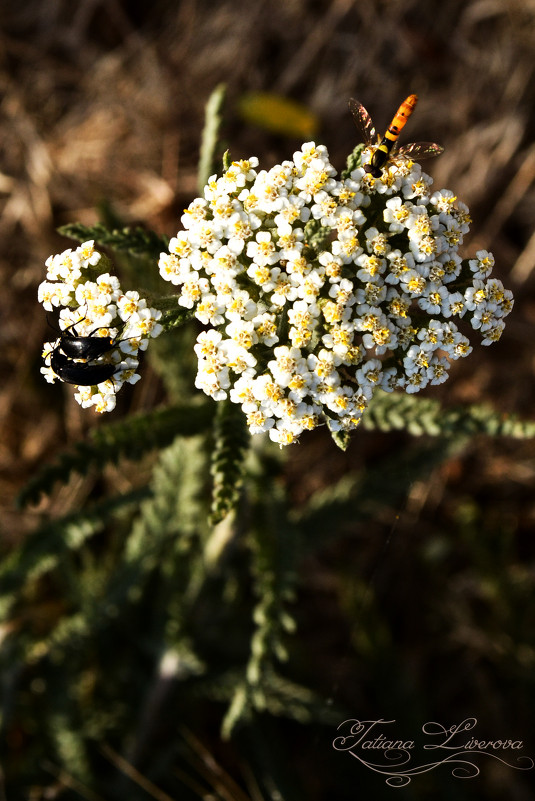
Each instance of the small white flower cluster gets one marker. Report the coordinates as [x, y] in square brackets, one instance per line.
[317, 291]
[92, 304]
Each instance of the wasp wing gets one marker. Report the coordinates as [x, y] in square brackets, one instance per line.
[363, 121]
[420, 150]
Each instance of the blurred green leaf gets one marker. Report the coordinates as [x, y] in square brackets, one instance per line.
[278, 114]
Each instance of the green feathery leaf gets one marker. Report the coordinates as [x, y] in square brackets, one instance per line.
[47, 545]
[227, 160]
[130, 439]
[398, 411]
[166, 537]
[353, 161]
[316, 235]
[272, 540]
[341, 439]
[137, 241]
[231, 440]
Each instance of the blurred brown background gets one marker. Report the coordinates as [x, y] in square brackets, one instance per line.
[102, 106]
[102, 103]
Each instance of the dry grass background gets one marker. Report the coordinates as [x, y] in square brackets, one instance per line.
[102, 100]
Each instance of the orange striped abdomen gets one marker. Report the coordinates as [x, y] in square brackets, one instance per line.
[402, 115]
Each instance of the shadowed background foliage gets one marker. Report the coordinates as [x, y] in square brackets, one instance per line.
[418, 609]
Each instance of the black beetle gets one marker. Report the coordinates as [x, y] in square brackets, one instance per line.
[86, 347]
[82, 373]
[71, 347]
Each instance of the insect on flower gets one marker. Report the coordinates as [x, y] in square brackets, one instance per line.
[73, 358]
[385, 149]
[99, 351]
[87, 347]
[83, 374]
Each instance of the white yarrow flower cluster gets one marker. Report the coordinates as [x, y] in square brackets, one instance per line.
[315, 291]
[91, 303]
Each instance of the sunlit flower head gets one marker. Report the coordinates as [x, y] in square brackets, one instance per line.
[317, 291]
[92, 304]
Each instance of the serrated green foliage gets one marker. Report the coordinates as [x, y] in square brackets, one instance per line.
[167, 535]
[281, 698]
[273, 543]
[316, 235]
[340, 438]
[284, 698]
[137, 241]
[130, 601]
[118, 619]
[130, 439]
[353, 161]
[49, 544]
[231, 440]
[226, 160]
[210, 136]
[240, 710]
[173, 317]
[399, 411]
[161, 562]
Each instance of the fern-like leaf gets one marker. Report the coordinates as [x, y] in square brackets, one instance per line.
[49, 543]
[137, 241]
[399, 411]
[230, 447]
[129, 439]
[272, 540]
[353, 161]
